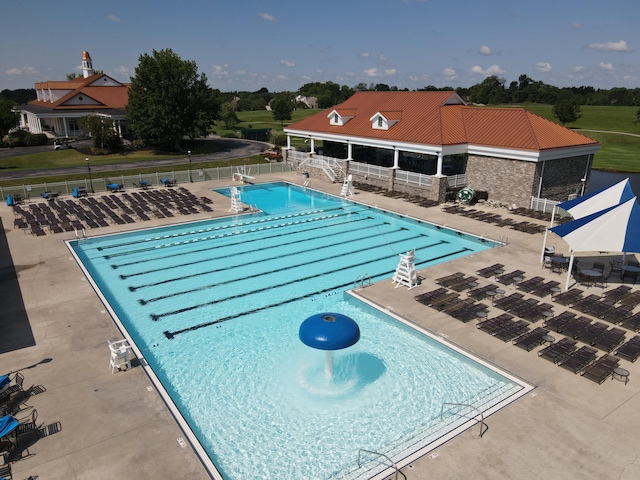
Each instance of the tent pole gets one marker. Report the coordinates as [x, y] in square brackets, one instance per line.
[546, 233]
[569, 270]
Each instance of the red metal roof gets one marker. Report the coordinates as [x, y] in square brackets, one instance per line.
[441, 118]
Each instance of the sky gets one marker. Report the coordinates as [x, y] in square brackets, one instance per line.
[245, 45]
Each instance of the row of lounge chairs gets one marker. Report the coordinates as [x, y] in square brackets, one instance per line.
[494, 218]
[582, 360]
[93, 212]
[415, 199]
[514, 325]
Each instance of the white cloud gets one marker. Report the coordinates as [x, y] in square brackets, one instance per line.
[576, 26]
[372, 72]
[492, 70]
[382, 58]
[122, 70]
[449, 73]
[21, 71]
[578, 69]
[268, 17]
[620, 46]
[364, 54]
[390, 71]
[543, 66]
[484, 50]
[607, 67]
[286, 63]
[113, 18]
[219, 71]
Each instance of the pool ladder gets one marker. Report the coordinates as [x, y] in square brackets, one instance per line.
[80, 236]
[395, 467]
[362, 281]
[483, 426]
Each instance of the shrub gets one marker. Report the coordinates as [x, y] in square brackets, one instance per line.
[33, 139]
[230, 135]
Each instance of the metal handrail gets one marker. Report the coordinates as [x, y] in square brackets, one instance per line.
[361, 279]
[379, 454]
[482, 424]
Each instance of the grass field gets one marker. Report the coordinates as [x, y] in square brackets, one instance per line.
[620, 151]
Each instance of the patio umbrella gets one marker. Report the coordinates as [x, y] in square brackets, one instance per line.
[592, 203]
[615, 229]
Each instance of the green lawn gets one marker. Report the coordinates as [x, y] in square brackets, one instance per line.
[619, 153]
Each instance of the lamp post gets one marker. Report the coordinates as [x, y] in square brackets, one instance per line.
[89, 171]
[189, 153]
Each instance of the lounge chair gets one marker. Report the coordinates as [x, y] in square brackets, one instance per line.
[512, 331]
[426, 298]
[580, 359]
[592, 332]
[490, 271]
[449, 279]
[601, 369]
[531, 339]
[556, 323]
[492, 325]
[632, 322]
[569, 297]
[5, 472]
[511, 277]
[557, 352]
[575, 326]
[610, 339]
[630, 350]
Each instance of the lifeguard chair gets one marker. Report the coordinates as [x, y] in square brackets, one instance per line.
[120, 355]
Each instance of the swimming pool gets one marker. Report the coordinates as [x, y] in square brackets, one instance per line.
[214, 307]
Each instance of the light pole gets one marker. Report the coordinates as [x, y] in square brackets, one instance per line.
[89, 170]
[189, 153]
[584, 181]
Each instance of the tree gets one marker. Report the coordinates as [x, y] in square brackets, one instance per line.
[566, 109]
[8, 118]
[168, 99]
[637, 117]
[228, 115]
[102, 130]
[282, 106]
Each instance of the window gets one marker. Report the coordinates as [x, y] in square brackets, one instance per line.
[379, 122]
[73, 125]
[336, 118]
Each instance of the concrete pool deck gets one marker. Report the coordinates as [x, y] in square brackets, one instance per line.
[55, 331]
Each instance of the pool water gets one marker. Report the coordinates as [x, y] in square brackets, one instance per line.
[215, 308]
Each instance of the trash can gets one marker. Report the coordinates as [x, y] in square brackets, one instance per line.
[305, 174]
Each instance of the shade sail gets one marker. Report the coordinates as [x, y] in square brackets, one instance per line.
[599, 200]
[615, 229]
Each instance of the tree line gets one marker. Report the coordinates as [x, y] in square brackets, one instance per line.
[169, 100]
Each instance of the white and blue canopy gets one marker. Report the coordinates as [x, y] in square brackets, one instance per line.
[615, 229]
[599, 200]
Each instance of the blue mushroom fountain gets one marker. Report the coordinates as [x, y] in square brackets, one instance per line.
[329, 332]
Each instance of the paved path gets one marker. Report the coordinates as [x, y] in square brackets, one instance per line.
[230, 149]
[607, 131]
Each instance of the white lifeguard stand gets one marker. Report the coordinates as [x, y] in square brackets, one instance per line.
[347, 187]
[120, 355]
[406, 271]
[236, 203]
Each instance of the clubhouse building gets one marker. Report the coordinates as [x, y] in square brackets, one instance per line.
[432, 143]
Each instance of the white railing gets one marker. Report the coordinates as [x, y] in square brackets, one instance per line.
[371, 171]
[459, 180]
[98, 184]
[333, 167]
[413, 178]
[543, 204]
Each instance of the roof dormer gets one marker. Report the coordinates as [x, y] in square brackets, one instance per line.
[385, 120]
[340, 118]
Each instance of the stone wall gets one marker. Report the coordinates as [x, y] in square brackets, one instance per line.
[516, 181]
[509, 181]
[562, 177]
